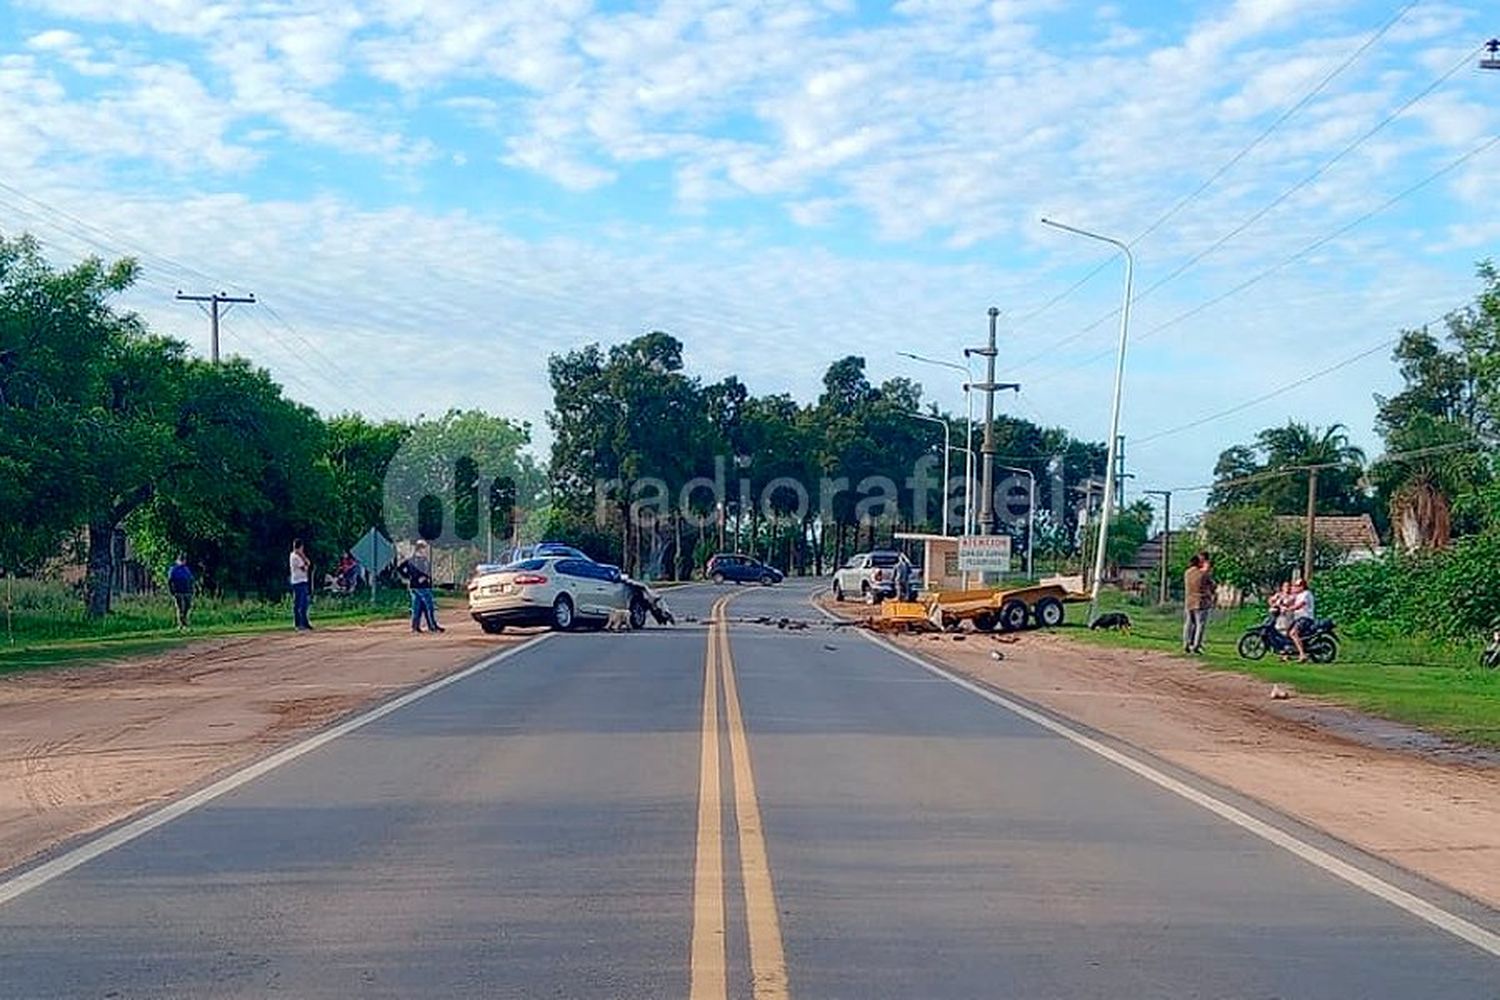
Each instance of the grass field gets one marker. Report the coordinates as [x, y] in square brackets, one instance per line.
[45, 624]
[1438, 686]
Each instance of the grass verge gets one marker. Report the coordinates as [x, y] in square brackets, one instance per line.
[1437, 686]
[46, 625]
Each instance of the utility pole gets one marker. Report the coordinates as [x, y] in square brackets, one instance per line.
[1120, 474]
[215, 300]
[1312, 520]
[987, 448]
[1166, 540]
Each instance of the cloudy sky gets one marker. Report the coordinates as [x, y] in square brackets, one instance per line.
[430, 196]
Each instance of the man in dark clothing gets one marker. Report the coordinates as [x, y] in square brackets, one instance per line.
[417, 572]
[180, 585]
[1198, 593]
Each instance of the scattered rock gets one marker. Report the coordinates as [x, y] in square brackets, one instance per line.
[1279, 693]
[830, 647]
[995, 654]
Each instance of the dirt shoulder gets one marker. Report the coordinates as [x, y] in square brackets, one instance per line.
[84, 746]
[1419, 804]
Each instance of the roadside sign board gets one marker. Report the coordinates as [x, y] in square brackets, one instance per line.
[374, 551]
[984, 554]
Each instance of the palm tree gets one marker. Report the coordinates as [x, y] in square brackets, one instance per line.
[1431, 460]
[1298, 445]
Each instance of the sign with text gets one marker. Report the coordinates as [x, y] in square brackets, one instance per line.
[984, 554]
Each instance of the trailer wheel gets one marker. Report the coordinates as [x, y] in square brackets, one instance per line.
[1013, 615]
[1049, 612]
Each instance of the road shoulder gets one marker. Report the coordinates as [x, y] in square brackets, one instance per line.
[1425, 812]
[84, 747]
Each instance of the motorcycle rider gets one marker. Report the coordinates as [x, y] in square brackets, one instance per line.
[1302, 612]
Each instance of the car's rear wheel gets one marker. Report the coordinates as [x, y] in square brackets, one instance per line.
[492, 627]
[717, 577]
[838, 592]
[563, 615]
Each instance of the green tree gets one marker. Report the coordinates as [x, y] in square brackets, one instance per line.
[1274, 472]
[1255, 552]
[1434, 427]
[58, 336]
[245, 474]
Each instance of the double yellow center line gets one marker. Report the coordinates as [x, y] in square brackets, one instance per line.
[763, 924]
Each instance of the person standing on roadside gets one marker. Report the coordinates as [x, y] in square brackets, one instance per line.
[180, 585]
[417, 571]
[299, 573]
[1198, 589]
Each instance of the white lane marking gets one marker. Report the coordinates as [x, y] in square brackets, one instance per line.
[1479, 937]
[86, 852]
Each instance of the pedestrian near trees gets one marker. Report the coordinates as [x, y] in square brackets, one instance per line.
[180, 585]
[1198, 588]
[299, 573]
[417, 572]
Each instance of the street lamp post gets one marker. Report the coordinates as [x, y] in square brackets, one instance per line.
[968, 436]
[1030, 513]
[947, 447]
[1114, 416]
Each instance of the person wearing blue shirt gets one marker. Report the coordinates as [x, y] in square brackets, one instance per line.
[180, 584]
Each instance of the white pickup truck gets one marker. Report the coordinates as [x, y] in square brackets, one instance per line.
[870, 576]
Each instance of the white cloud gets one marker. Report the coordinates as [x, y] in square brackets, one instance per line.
[942, 130]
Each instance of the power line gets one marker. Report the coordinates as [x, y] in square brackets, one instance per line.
[111, 243]
[1287, 470]
[1280, 390]
[1234, 160]
[1298, 255]
[1270, 206]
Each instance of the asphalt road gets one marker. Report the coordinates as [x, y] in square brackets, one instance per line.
[557, 825]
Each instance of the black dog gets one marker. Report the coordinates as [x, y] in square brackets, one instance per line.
[1116, 620]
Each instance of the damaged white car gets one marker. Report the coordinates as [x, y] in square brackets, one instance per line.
[563, 592]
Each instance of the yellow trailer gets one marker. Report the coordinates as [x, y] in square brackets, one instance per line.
[1007, 610]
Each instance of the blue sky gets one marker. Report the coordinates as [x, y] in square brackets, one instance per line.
[432, 196]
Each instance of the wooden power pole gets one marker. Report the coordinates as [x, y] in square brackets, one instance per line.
[215, 300]
[1312, 521]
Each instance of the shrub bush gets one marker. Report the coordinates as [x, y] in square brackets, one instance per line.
[1451, 593]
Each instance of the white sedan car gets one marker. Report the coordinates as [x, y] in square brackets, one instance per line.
[564, 592]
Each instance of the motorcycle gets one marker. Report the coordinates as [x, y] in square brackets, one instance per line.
[1319, 640]
[1491, 655]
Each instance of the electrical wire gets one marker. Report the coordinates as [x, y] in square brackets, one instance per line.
[1234, 160]
[1298, 255]
[1287, 470]
[1270, 206]
[1279, 391]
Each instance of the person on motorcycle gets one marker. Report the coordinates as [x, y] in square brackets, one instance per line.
[1302, 608]
[1279, 604]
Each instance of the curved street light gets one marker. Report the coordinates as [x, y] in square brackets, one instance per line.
[1114, 417]
[968, 526]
